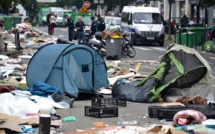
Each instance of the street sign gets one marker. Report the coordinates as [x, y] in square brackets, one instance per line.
[83, 9]
[74, 8]
[87, 4]
[98, 1]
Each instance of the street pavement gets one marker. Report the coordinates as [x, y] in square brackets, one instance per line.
[133, 111]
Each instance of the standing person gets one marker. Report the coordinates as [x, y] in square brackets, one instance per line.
[80, 27]
[100, 24]
[37, 16]
[2, 24]
[70, 25]
[93, 26]
[52, 22]
[48, 22]
[184, 21]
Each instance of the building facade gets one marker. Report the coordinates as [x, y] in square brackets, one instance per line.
[191, 8]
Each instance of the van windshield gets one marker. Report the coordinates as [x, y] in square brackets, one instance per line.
[147, 18]
[108, 20]
[60, 14]
[45, 13]
[86, 20]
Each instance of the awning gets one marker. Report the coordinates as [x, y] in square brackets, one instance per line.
[194, 1]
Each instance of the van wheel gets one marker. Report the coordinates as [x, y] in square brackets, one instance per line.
[133, 40]
[161, 44]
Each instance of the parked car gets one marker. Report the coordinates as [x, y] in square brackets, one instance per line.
[43, 12]
[114, 24]
[108, 20]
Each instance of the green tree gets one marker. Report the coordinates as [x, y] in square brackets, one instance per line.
[7, 6]
[208, 2]
[32, 7]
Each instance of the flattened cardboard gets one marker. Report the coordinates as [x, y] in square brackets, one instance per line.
[2, 131]
[164, 130]
[10, 125]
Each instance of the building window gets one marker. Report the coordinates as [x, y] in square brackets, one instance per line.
[182, 9]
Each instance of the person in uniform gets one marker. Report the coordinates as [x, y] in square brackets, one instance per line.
[70, 25]
[93, 26]
[100, 24]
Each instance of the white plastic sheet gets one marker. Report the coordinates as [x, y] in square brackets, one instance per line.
[16, 106]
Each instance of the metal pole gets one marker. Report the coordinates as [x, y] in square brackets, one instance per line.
[187, 36]
[205, 37]
[195, 41]
[179, 34]
[175, 33]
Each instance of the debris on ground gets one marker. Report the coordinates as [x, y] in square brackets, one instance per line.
[27, 57]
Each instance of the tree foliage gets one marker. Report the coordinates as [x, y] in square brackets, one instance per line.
[208, 2]
[9, 6]
[32, 7]
[79, 3]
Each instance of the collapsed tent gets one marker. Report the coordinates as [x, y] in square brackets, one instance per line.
[180, 67]
[72, 69]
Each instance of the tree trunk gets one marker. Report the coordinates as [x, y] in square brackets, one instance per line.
[120, 5]
[170, 13]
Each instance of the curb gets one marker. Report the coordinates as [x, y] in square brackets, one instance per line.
[44, 33]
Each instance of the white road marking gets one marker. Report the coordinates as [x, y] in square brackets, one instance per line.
[158, 48]
[143, 48]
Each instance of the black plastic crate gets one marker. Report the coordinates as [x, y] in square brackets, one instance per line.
[153, 110]
[169, 113]
[207, 110]
[101, 112]
[99, 102]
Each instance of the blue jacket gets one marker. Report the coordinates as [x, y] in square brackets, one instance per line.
[101, 26]
[93, 28]
[70, 23]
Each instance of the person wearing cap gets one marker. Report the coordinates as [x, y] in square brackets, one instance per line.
[93, 26]
[70, 25]
[100, 24]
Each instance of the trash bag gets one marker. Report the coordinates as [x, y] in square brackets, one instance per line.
[42, 89]
[61, 98]
[142, 93]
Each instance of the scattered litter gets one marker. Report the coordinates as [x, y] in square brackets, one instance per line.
[79, 130]
[69, 119]
[99, 124]
[130, 122]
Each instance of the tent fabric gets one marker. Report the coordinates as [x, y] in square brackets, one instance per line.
[180, 67]
[70, 68]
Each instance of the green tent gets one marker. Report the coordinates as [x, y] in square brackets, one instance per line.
[181, 67]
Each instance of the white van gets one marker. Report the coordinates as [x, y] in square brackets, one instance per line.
[143, 24]
[54, 9]
[60, 16]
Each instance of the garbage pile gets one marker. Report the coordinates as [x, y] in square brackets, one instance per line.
[39, 76]
[21, 108]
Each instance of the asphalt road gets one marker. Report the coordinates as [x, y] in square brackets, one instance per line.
[134, 111]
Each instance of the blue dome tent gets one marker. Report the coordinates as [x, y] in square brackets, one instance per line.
[72, 69]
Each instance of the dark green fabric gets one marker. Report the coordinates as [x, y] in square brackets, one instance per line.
[156, 74]
[177, 63]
